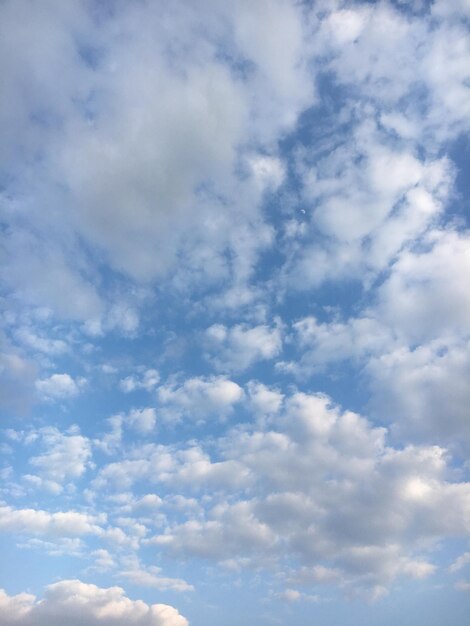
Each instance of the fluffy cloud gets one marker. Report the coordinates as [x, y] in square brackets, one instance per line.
[411, 343]
[369, 200]
[424, 391]
[65, 456]
[132, 128]
[147, 381]
[238, 347]
[425, 296]
[59, 387]
[168, 465]
[326, 489]
[142, 420]
[74, 601]
[39, 522]
[199, 398]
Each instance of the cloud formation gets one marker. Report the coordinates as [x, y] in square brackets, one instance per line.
[234, 309]
[74, 601]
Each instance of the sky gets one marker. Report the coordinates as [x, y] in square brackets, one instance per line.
[235, 313]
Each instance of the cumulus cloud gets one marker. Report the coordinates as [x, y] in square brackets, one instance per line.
[65, 455]
[238, 347]
[39, 522]
[74, 601]
[369, 200]
[199, 398]
[326, 489]
[133, 128]
[424, 392]
[59, 387]
[425, 295]
[142, 420]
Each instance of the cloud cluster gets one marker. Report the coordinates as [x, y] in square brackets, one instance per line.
[73, 601]
[313, 485]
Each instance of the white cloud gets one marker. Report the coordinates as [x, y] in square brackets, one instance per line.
[326, 492]
[425, 296]
[325, 343]
[424, 391]
[148, 381]
[152, 577]
[39, 522]
[42, 344]
[73, 601]
[60, 387]
[369, 199]
[103, 560]
[264, 400]
[411, 344]
[294, 595]
[111, 441]
[142, 420]
[238, 347]
[65, 456]
[268, 171]
[58, 547]
[139, 148]
[188, 467]
[199, 398]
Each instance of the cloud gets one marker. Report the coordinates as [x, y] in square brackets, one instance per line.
[238, 347]
[322, 344]
[325, 490]
[65, 456]
[168, 465]
[142, 420]
[424, 391]
[74, 601]
[293, 595]
[59, 387]
[42, 344]
[152, 577]
[39, 522]
[199, 398]
[462, 561]
[369, 199]
[424, 296]
[147, 381]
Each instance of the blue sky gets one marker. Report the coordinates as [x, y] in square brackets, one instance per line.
[234, 332]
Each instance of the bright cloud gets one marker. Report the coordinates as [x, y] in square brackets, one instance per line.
[74, 601]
